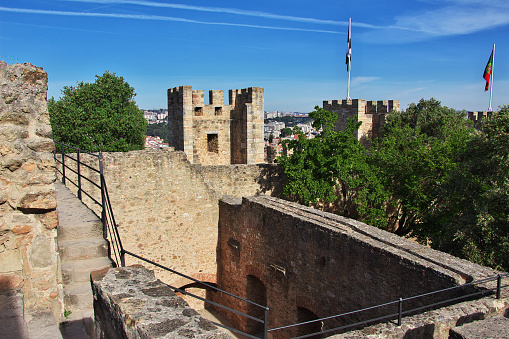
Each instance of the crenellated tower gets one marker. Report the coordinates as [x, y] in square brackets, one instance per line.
[371, 113]
[217, 134]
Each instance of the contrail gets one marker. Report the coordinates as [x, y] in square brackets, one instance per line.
[235, 11]
[157, 17]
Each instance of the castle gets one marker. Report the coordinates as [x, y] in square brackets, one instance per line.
[300, 262]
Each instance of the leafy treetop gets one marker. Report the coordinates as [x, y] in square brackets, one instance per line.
[98, 116]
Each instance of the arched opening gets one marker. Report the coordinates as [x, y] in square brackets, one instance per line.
[304, 315]
[257, 293]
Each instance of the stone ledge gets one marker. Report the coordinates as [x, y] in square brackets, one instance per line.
[494, 327]
[129, 302]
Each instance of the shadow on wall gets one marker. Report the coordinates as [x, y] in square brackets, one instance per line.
[272, 180]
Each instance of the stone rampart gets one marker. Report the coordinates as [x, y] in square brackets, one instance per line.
[29, 260]
[129, 302]
[305, 264]
[167, 209]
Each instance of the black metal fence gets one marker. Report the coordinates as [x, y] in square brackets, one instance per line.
[69, 159]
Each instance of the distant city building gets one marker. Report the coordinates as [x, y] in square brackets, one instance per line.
[156, 116]
[155, 142]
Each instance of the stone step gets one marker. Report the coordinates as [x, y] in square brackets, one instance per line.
[42, 325]
[79, 324]
[78, 295]
[79, 270]
[80, 229]
[79, 249]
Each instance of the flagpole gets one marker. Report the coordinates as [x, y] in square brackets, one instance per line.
[492, 71]
[348, 89]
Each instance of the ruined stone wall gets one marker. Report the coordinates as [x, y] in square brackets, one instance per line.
[167, 209]
[29, 260]
[217, 134]
[306, 264]
[370, 113]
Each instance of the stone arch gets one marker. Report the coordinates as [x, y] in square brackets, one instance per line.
[305, 315]
[257, 293]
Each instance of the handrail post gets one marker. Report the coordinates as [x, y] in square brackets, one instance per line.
[103, 197]
[122, 257]
[400, 311]
[79, 174]
[266, 323]
[499, 285]
[63, 164]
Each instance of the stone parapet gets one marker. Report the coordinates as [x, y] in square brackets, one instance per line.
[29, 261]
[130, 302]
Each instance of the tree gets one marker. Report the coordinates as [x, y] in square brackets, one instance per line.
[159, 130]
[98, 116]
[418, 150]
[286, 132]
[473, 222]
[330, 171]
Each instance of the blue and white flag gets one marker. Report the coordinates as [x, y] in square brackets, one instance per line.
[349, 46]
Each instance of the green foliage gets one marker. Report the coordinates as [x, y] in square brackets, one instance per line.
[159, 130]
[98, 116]
[286, 132]
[419, 149]
[330, 166]
[473, 222]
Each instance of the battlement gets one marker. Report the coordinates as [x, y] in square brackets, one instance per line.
[477, 117]
[217, 134]
[370, 113]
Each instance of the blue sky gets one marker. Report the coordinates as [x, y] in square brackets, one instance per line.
[295, 49]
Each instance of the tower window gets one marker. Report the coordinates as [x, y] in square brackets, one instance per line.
[212, 143]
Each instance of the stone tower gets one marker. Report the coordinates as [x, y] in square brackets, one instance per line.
[371, 113]
[217, 134]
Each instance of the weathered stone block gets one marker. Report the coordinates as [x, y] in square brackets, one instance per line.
[10, 261]
[45, 200]
[40, 252]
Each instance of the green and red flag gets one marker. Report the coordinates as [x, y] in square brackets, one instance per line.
[487, 72]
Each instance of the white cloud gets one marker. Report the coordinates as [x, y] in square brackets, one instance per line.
[356, 81]
[450, 17]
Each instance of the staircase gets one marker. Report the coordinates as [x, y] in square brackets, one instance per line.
[82, 250]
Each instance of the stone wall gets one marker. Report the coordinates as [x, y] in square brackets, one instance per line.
[29, 260]
[306, 264]
[217, 134]
[130, 302]
[167, 209]
[370, 113]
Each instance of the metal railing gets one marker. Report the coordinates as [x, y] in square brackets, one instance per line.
[111, 233]
[72, 162]
[398, 304]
